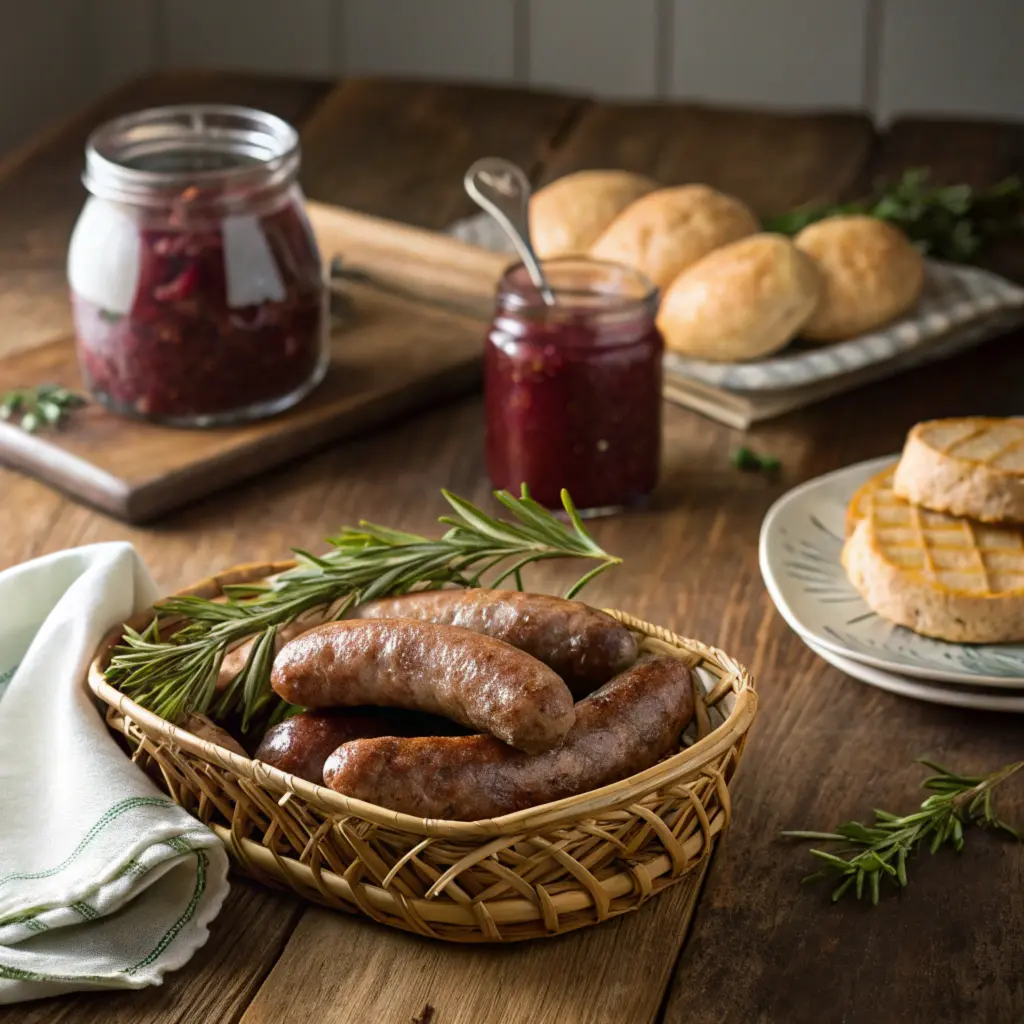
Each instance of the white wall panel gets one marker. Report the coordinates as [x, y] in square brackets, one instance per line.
[43, 72]
[124, 39]
[805, 54]
[952, 57]
[285, 36]
[454, 39]
[605, 47]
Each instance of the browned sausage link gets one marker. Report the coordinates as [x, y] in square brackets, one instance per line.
[626, 726]
[481, 682]
[584, 646]
[301, 744]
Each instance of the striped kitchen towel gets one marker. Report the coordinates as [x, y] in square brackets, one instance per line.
[104, 882]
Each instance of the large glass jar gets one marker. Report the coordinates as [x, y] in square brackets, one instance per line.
[197, 289]
[573, 390]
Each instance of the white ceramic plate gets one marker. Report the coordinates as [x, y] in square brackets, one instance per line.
[801, 538]
[934, 693]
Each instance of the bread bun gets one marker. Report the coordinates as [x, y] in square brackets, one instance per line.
[872, 274]
[667, 231]
[742, 301]
[570, 213]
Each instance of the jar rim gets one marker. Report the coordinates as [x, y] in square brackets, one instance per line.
[240, 146]
[518, 294]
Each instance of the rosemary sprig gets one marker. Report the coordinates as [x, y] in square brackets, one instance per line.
[880, 850]
[45, 405]
[176, 675]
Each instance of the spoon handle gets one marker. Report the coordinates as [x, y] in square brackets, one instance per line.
[502, 189]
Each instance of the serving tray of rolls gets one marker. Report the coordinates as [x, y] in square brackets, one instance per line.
[583, 764]
[756, 324]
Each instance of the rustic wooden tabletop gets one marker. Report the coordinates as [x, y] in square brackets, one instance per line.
[824, 748]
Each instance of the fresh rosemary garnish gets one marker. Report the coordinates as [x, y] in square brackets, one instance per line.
[178, 675]
[44, 406]
[880, 850]
[748, 461]
[949, 222]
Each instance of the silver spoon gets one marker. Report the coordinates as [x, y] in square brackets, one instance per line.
[502, 189]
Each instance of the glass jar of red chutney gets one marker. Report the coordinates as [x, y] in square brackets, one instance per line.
[197, 290]
[573, 390]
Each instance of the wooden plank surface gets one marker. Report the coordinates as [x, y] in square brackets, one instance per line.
[824, 747]
[772, 161]
[399, 149]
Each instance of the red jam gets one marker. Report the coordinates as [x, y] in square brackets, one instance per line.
[182, 351]
[196, 285]
[573, 392]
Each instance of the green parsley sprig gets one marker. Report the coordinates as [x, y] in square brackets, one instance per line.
[948, 222]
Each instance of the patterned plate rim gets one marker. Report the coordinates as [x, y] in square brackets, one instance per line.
[924, 667]
[932, 693]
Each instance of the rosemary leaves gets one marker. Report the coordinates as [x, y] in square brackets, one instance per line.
[178, 674]
[871, 853]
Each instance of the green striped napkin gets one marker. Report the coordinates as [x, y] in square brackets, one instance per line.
[104, 882]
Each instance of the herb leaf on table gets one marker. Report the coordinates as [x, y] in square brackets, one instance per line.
[870, 853]
[177, 675]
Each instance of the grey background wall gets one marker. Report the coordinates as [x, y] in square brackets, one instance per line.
[887, 56]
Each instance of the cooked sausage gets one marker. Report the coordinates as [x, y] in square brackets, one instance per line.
[475, 680]
[584, 646]
[301, 744]
[628, 725]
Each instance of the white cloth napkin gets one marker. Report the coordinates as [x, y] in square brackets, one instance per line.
[104, 882]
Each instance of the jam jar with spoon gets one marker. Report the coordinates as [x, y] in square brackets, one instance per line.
[572, 368]
[197, 289]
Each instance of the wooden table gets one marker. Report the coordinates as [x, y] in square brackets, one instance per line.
[824, 747]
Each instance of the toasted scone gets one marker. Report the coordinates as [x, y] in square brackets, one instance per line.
[968, 467]
[936, 574]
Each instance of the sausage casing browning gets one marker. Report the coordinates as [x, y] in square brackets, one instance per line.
[628, 725]
[476, 680]
[585, 646]
[301, 744]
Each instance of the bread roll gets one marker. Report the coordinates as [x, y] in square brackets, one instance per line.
[742, 301]
[872, 274]
[569, 214]
[667, 231]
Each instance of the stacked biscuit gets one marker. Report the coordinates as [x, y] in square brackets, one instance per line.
[937, 545]
[731, 292]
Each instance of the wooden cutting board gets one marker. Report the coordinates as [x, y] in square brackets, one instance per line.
[412, 336]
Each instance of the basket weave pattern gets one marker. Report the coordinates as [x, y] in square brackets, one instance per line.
[538, 872]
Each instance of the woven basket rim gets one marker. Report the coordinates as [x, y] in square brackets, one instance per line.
[563, 812]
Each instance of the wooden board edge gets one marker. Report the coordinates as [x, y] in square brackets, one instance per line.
[149, 501]
[79, 479]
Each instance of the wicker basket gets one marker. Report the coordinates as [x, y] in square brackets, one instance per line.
[538, 872]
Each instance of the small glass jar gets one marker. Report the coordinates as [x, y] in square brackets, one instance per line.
[573, 391]
[197, 289]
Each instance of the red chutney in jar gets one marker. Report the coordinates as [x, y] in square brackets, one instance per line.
[573, 392]
[196, 284]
